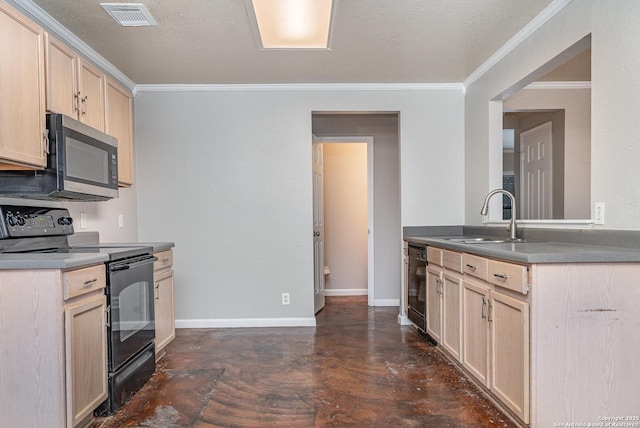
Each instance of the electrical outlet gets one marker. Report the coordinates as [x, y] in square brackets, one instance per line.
[120, 221]
[83, 220]
[599, 213]
[285, 299]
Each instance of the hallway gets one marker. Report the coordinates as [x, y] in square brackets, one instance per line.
[358, 367]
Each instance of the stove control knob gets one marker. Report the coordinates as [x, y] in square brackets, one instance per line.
[65, 221]
[12, 221]
[21, 220]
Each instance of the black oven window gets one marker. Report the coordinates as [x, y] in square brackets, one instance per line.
[134, 312]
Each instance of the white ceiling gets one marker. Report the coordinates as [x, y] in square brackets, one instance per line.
[374, 41]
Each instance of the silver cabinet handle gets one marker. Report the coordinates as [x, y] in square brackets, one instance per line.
[108, 316]
[89, 283]
[484, 303]
[157, 291]
[77, 97]
[490, 307]
[84, 104]
[500, 276]
[438, 284]
[472, 267]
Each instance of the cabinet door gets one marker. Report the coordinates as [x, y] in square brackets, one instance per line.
[509, 320]
[86, 357]
[164, 313]
[62, 85]
[452, 314]
[91, 85]
[475, 347]
[434, 303]
[22, 103]
[119, 124]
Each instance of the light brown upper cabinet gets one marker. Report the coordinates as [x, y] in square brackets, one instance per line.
[119, 124]
[23, 142]
[74, 86]
[79, 90]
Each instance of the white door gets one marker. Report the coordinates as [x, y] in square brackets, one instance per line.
[318, 227]
[535, 173]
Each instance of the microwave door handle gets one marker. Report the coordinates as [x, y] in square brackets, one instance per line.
[45, 139]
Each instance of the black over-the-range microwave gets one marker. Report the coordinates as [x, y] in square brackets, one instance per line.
[82, 165]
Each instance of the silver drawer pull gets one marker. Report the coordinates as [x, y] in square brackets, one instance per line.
[472, 267]
[90, 283]
[165, 260]
[500, 277]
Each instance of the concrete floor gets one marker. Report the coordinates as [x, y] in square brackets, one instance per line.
[358, 367]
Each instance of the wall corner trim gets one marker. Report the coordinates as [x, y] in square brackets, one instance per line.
[549, 12]
[301, 87]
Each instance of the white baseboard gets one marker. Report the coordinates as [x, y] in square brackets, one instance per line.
[345, 292]
[386, 302]
[404, 320]
[246, 322]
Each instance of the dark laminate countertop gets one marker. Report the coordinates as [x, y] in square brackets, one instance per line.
[68, 260]
[542, 246]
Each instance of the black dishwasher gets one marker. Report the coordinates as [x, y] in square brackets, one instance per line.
[416, 285]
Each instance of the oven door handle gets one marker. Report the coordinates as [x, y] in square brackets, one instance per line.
[118, 267]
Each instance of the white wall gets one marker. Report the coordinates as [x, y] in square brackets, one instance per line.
[346, 219]
[576, 162]
[103, 216]
[615, 39]
[227, 177]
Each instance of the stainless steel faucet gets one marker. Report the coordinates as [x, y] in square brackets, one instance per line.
[485, 210]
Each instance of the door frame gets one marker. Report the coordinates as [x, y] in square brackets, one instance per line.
[370, 205]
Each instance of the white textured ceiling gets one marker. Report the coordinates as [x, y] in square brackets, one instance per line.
[374, 41]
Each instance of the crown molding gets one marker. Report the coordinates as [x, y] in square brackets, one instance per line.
[36, 13]
[302, 87]
[537, 22]
[559, 85]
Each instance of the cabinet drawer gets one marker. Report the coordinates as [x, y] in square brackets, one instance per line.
[165, 259]
[475, 265]
[452, 260]
[434, 256]
[507, 275]
[81, 281]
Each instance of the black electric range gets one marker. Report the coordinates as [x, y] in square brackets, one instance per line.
[129, 292]
[26, 229]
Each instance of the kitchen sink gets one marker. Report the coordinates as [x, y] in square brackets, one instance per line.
[484, 240]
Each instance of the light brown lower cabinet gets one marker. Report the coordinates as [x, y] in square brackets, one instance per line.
[163, 298]
[552, 343]
[496, 344]
[53, 346]
[86, 357]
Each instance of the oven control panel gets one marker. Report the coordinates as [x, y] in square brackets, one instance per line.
[26, 222]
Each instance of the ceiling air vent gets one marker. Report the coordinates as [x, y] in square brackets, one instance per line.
[129, 14]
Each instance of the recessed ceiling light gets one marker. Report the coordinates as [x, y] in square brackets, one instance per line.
[129, 14]
[293, 24]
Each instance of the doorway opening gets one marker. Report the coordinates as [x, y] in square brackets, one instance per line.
[347, 209]
[361, 219]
